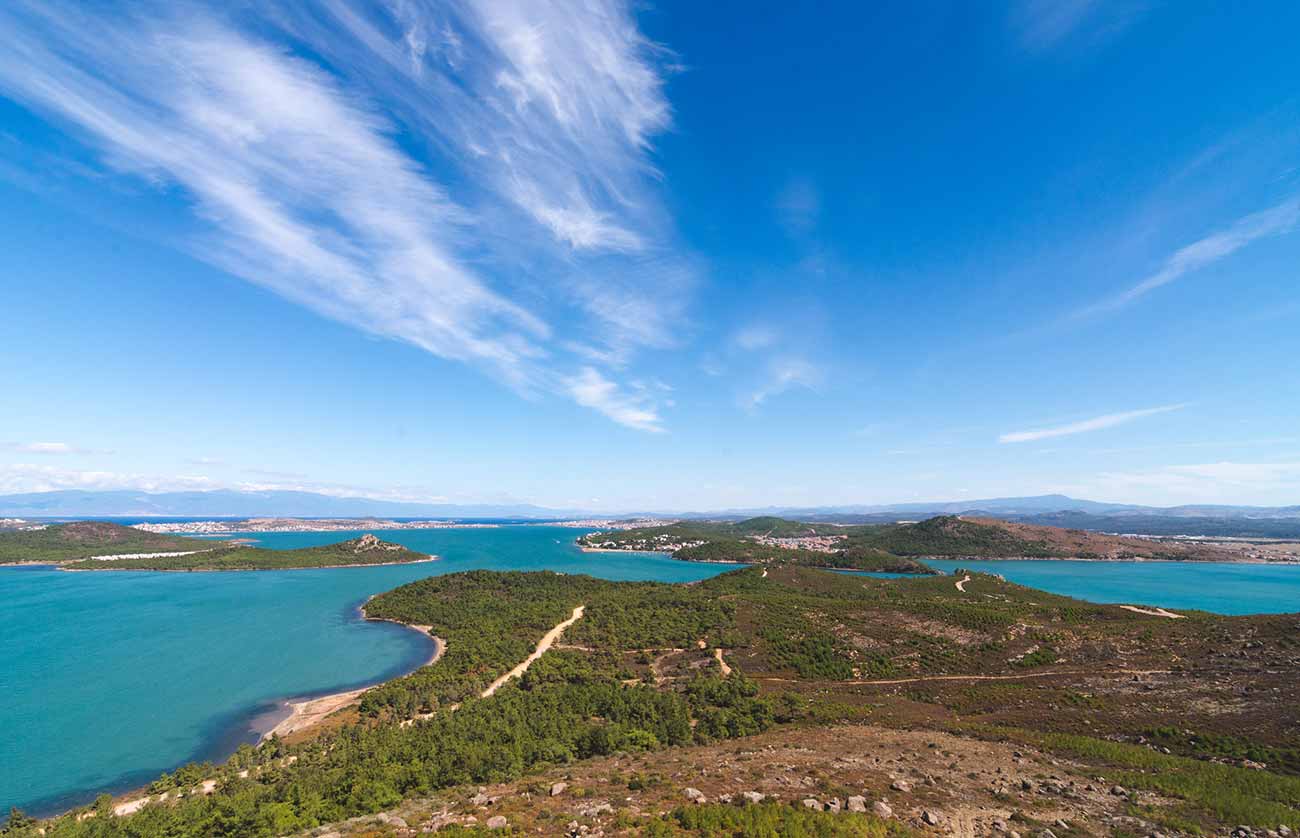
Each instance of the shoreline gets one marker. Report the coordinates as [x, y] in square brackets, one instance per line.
[300, 713]
[305, 712]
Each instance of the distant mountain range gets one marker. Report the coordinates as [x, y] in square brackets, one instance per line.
[1032, 505]
[237, 504]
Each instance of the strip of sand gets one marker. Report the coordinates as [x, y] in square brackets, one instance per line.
[1154, 612]
[305, 713]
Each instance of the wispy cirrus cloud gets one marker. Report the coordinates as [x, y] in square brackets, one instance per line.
[1044, 24]
[1274, 221]
[591, 389]
[520, 196]
[784, 374]
[43, 447]
[755, 336]
[1097, 423]
[799, 206]
[50, 448]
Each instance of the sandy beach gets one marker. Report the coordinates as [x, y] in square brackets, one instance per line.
[306, 712]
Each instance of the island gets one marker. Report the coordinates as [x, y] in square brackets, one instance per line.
[901, 547]
[99, 546]
[755, 541]
[772, 700]
[255, 525]
[57, 543]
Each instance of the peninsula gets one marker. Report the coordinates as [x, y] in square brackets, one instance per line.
[97, 545]
[902, 547]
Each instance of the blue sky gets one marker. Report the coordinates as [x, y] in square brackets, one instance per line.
[671, 255]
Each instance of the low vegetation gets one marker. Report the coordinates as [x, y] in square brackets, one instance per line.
[366, 550]
[83, 539]
[759, 541]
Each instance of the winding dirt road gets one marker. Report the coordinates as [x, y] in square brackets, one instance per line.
[545, 643]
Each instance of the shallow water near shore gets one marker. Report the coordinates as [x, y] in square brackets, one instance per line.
[109, 679]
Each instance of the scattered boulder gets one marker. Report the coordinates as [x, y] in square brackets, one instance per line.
[931, 818]
[882, 810]
[901, 785]
[754, 796]
[558, 788]
[811, 803]
[497, 822]
[857, 803]
[834, 805]
[1119, 791]
[694, 794]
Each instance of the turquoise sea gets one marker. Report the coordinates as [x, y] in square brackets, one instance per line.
[111, 678]
[1223, 588]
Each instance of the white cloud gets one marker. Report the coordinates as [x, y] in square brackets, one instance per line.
[29, 477]
[1274, 221]
[1043, 24]
[44, 447]
[1097, 423]
[1220, 482]
[781, 375]
[591, 389]
[755, 337]
[799, 206]
[22, 478]
[541, 113]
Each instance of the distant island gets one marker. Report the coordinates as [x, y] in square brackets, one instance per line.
[755, 541]
[898, 548]
[99, 545]
[251, 525]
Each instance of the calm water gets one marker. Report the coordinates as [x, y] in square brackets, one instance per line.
[109, 679]
[1207, 586]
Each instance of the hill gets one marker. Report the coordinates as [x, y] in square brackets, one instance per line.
[83, 539]
[889, 547]
[756, 541]
[990, 538]
[366, 550]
